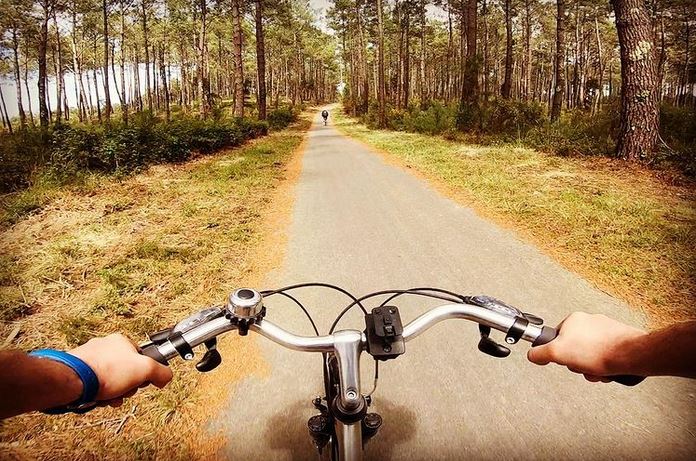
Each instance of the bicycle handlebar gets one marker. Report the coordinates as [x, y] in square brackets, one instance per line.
[210, 329]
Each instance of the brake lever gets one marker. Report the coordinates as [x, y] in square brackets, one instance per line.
[211, 359]
[490, 347]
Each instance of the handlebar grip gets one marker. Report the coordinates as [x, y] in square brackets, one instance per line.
[153, 352]
[548, 334]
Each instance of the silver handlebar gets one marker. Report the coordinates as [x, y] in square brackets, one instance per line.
[213, 328]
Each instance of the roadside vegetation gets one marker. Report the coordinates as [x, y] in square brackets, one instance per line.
[72, 153]
[576, 132]
[134, 254]
[618, 224]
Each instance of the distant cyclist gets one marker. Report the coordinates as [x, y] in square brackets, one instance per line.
[325, 115]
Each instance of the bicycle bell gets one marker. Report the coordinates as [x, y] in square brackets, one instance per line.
[245, 303]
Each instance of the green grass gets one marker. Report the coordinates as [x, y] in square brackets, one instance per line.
[133, 255]
[617, 224]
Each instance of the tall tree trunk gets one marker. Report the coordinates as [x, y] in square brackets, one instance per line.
[639, 108]
[82, 99]
[448, 69]
[260, 62]
[684, 84]
[146, 44]
[470, 88]
[165, 86]
[365, 78]
[107, 97]
[381, 90]
[43, 45]
[600, 69]
[527, 63]
[18, 80]
[5, 117]
[663, 57]
[61, 103]
[237, 55]
[559, 88]
[26, 80]
[94, 76]
[423, 85]
[505, 90]
[201, 67]
[124, 100]
[406, 72]
[486, 62]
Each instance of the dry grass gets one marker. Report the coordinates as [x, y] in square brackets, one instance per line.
[620, 226]
[134, 256]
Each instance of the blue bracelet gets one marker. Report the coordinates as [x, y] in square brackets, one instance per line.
[90, 382]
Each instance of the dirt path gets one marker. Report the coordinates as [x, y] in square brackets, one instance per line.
[365, 225]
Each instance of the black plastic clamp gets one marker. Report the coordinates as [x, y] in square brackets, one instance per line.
[181, 346]
[516, 330]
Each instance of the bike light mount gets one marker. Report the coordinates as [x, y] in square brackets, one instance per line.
[383, 329]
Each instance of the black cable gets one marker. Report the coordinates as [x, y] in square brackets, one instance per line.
[311, 320]
[458, 297]
[387, 292]
[317, 284]
[395, 292]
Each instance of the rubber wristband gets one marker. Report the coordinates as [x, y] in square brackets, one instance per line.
[90, 382]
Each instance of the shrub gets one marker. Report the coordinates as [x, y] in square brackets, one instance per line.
[20, 154]
[68, 150]
[678, 131]
[512, 117]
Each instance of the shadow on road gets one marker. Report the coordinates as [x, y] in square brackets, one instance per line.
[286, 431]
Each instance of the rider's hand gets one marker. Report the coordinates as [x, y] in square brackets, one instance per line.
[120, 368]
[591, 344]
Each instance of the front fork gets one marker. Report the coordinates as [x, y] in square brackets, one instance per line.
[344, 418]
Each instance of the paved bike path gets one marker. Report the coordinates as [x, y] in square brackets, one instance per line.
[366, 225]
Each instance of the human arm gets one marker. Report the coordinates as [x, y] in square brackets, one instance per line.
[30, 383]
[598, 346]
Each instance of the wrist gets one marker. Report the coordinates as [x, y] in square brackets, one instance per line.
[626, 355]
[76, 383]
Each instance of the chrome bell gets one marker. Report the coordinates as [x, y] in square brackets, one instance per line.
[245, 303]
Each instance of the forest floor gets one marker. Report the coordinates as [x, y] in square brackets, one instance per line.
[621, 226]
[133, 256]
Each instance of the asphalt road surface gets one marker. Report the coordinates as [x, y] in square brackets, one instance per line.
[366, 225]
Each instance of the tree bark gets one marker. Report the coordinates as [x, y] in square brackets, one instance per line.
[43, 44]
[5, 117]
[639, 107]
[381, 90]
[146, 44]
[163, 79]
[470, 88]
[26, 80]
[77, 69]
[527, 63]
[423, 83]
[506, 89]
[18, 80]
[107, 96]
[559, 88]
[124, 100]
[237, 55]
[201, 68]
[260, 62]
